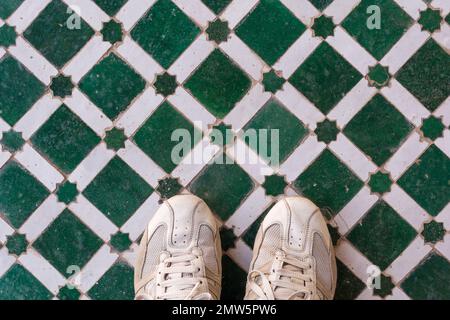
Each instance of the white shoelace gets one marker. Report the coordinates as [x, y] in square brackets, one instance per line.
[294, 280]
[181, 279]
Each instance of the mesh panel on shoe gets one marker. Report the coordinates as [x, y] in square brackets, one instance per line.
[155, 246]
[323, 262]
[207, 244]
[271, 242]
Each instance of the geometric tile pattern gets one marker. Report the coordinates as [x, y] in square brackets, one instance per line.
[95, 159]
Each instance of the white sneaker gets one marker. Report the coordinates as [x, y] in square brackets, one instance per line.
[180, 253]
[293, 256]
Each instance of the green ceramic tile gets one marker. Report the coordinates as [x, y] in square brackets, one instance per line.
[19, 284]
[217, 6]
[54, 36]
[378, 129]
[67, 242]
[325, 77]
[385, 287]
[112, 85]
[218, 84]
[20, 193]
[165, 32]
[115, 284]
[430, 280]
[427, 181]
[8, 7]
[165, 84]
[19, 90]
[265, 30]
[155, 136]
[249, 235]
[272, 82]
[274, 116]
[65, 139]
[382, 235]
[118, 191]
[427, 75]
[66, 293]
[228, 238]
[231, 186]
[328, 183]
[394, 22]
[349, 286]
[111, 7]
[321, 4]
[233, 280]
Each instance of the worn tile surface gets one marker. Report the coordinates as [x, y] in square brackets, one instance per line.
[90, 97]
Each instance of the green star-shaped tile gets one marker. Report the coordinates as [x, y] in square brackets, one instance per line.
[380, 182]
[385, 288]
[326, 131]
[115, 139]
[112, 32]
[8, 36]
[120, 241]
[168, 187]
[16, 244]
[67, 192]
[12, 141]
[221, 135]
[323, 27]
[430, 19]
[166, 84]
[378, 76]
[68, 293]
[432, 128]
[274, 185]
[218, 31]
[272, 82]
[433, 232]
[61, 86]
[227, 238]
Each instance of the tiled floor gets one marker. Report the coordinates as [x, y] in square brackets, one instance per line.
[88, 107]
